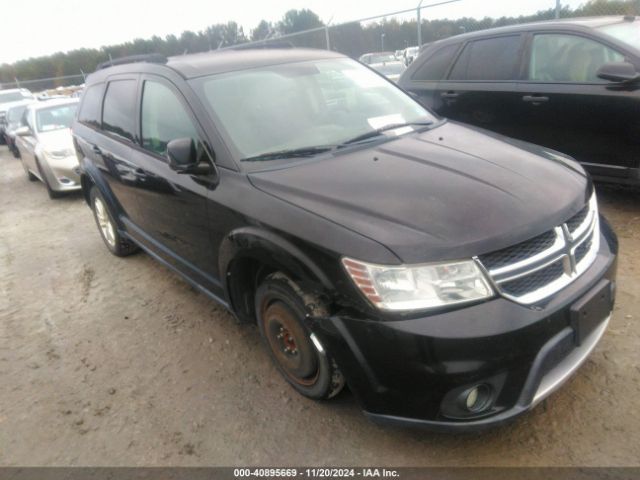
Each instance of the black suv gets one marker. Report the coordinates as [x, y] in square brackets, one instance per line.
[571, 85]
[451, 278]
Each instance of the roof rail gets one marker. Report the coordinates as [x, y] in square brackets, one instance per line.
[147, 57]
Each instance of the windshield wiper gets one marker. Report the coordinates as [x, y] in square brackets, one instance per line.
[290, 153]
[379, 131]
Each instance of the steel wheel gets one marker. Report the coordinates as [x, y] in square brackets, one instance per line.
[104, 222]
[283, 320]
[290, 344]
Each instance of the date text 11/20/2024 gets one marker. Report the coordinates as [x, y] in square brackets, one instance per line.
[315, 472]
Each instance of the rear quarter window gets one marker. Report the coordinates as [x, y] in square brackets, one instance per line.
[90, 110]
[436, 65]
[119, 109]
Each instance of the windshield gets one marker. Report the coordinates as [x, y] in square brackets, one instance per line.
[392, 68]
[627, 32]
[55, 118]
[306, 104]
[13, 97]
[382, 58]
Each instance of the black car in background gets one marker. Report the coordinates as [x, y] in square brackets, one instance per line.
[571, 85]
[452, 279]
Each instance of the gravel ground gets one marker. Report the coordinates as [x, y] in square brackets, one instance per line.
[108, 361]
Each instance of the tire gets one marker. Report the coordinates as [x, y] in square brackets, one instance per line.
[52, 193]
[107, 227]
[281, 315]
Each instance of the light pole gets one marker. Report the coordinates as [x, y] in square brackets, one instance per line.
[382, 42]
[419, 24]
[557, 8]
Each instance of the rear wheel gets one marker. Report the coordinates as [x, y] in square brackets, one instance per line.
[298, 353]
[115, 242]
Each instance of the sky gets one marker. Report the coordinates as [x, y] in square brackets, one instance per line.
[32, 28]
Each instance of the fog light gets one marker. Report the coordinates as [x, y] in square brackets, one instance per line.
[478, 398]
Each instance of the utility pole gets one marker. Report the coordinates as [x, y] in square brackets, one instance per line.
[420, 24]
[326, 36]
[557, 8]
[382, 42]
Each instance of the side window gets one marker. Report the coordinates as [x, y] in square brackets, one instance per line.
[489, 59]
[119, 109]
[164, 118]
[568, 58]
[437, 64]
[91, 105]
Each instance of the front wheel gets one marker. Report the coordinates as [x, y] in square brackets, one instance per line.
[50, 191]
[297, 353]
[115, 242]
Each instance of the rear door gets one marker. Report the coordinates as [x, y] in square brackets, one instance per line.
[565, 106]
[113, 150]
[481, 87]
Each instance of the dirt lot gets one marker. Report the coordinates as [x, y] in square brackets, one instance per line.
[108, 361]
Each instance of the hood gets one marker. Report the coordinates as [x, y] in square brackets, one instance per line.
[449, 193]
[56, 139]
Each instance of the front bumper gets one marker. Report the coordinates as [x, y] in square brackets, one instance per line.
[62, 174]
[412, 372]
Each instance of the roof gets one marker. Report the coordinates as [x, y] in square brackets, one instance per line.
[220, 61]
[52, 103]
[580, 23]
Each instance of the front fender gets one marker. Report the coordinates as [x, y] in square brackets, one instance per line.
[271, 250]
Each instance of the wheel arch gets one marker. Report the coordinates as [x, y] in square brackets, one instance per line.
[250, 254]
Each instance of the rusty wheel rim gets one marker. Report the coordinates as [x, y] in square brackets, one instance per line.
[290, 344]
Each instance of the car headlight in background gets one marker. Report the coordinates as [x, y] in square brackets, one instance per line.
[59, 154]
[421, 286]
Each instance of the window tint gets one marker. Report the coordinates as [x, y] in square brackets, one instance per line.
[163, 118]
[568, 58]
[490, 59]
[437, 64]
[119, 108]
[91, 105]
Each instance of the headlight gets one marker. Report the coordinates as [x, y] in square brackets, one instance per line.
[420, 286]
[58, 154]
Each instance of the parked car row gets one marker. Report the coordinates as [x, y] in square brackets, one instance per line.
[38, 133]
[572, 85]
[384, 63]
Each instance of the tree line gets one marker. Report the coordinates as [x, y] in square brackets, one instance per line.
[352, 39]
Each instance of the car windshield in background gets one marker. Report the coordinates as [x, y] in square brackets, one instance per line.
[382, 58]
[627, 32]
[303, 105]
[55, 118]
[15, 114]
[391, 68]
[12, 97]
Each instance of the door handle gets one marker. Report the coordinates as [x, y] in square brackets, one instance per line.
[449, 95]
[96, 150]
[535, 99]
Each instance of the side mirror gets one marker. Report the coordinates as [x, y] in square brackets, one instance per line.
[618, 72]
[23, 131]
[182, 156]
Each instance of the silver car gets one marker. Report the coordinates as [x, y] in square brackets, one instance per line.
[46, 146]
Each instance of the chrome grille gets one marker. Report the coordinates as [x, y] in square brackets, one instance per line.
[537, 268]
[518, 252]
